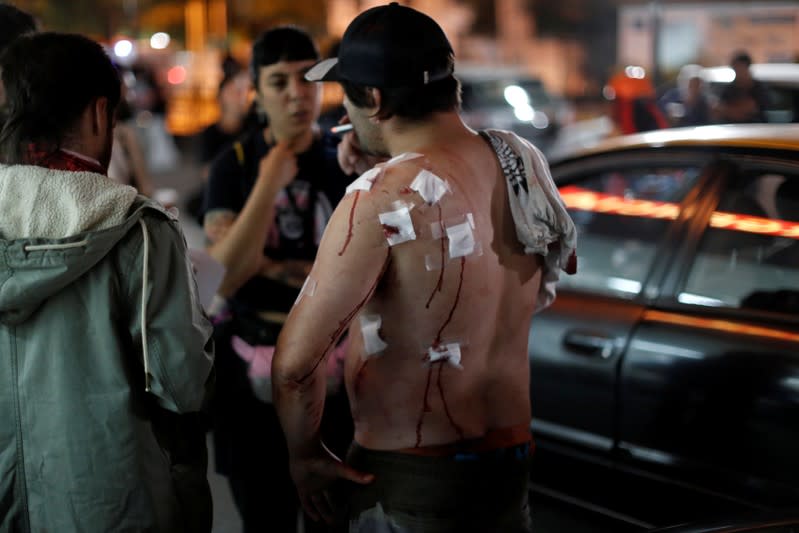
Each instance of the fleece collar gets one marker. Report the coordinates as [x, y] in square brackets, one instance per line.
[37, 202]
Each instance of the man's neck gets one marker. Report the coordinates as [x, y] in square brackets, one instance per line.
[64, 159]
[79, 155]
[405, 136]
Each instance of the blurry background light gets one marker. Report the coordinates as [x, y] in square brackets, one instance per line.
[517, 97]
[540, 120]
[123, 48]
[176, 75]
[634, 71]
[159, 40]
[524, 112]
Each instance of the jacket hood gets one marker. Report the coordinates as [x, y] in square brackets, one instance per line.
[56, 225]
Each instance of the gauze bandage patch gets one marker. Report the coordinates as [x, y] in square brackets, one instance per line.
[461, 240]
[365, 181]
[438, 229]
[308, 289]
[429, 186]
[398, 226]
[460, 235]
[370, 329]
[449, 352]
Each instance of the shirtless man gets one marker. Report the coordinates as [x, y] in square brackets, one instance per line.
[423, 261]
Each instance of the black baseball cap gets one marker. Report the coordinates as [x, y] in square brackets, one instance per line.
[389, 46]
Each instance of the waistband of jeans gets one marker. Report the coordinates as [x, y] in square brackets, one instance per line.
[516, 440]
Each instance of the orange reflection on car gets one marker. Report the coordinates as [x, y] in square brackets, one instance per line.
[720, 325]
[586, 200]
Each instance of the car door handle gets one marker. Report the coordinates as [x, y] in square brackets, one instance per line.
[590, 343]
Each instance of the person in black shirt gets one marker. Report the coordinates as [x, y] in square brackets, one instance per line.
[267, 202]
[235, 115]
[744, 99]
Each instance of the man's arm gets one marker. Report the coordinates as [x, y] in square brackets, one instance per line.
[351, 261]
[238, 242]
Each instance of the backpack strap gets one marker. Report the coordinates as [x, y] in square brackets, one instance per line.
[239, 149]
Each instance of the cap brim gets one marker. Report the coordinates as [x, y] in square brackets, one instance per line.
[325, 70]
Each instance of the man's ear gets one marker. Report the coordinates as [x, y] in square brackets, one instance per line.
[99, 114]
[376, 98]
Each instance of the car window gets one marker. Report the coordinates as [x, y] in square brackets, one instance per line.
[749, 254]
[783, 104]
[478, 94]
[621, 216]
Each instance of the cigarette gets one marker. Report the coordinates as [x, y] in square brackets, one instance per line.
[341, 128]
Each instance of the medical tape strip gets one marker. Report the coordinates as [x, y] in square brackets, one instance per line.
[370, 329]
[429, 186]
[407, 156]
[308, 289]
[438, 229]
[398, 226]
[462, 242]
[449, 352]
[365, 180]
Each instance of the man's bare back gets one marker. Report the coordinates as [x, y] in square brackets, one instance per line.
[435, 262]
[479, 305]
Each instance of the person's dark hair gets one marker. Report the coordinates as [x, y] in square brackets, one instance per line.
[741, 57]
[284, 43]
[409, 103]
[230, 69]
[49, 80]
[14, 23]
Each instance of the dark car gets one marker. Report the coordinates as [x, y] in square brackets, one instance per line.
[509, 98]
[786, 523]
[665, 377]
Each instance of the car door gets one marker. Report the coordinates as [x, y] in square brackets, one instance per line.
[709, 384]
[625, 207]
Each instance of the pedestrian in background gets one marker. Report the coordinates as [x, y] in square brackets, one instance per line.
[107, 354]
[745, 99]
[235, 112]
[236, 117]
[687, 104]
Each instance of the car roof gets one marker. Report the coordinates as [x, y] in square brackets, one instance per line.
[783, 73]
[775, 136]
[474, 72]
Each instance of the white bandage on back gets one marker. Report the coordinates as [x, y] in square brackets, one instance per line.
[370, 329]
[398, 226]
[449, 352]
[461, 240]
[365, 181]
[429, 186]
[461, 237]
